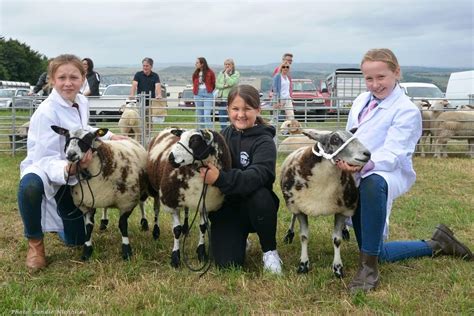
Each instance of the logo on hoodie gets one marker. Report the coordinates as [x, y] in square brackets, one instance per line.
[244, 159]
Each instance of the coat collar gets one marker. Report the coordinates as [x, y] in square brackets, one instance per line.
[385, 104]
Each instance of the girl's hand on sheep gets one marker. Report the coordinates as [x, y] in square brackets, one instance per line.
[344, 166]
[118, 137]
[71, 168]
[209, 174]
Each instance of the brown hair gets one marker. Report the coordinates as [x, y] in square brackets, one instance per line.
[62, 60]
[251, 97]
[384, 55]
[204, 68]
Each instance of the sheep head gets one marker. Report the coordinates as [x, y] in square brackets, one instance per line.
[193, 145]
[79, 141]
[353, 151]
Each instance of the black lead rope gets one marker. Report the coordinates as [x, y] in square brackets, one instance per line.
[207, 263]
[82, 175]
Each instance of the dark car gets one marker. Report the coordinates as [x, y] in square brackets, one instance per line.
[186, 98]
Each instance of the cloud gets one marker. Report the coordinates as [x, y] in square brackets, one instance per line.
[422, 32]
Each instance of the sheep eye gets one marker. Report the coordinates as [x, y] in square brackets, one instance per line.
[335, 140]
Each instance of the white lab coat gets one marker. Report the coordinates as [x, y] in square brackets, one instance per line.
[391, 132]
[45, 155]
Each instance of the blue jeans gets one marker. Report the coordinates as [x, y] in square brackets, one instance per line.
[30, 197]
[222, 114]
[369, 223]
[203, 101]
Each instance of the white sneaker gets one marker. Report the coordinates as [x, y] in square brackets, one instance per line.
[272, 262]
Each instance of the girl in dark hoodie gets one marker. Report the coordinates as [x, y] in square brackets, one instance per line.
[250, 204]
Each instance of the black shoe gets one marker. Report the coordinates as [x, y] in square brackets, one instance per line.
[443, 242]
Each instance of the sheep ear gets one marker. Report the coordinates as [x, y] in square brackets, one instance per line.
[60, 130]
[207, 135]
[311, 135]
[101, 132]
[176, 132]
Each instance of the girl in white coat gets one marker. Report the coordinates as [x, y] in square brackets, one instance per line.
[389, 125]
[44, 198]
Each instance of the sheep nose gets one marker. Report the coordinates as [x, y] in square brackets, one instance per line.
[72, 156]
[367, 154]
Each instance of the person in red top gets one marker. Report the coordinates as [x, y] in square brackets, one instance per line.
[204, 83]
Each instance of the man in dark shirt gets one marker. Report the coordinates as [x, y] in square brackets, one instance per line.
[148, 82]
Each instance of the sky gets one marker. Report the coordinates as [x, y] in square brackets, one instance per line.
[434, 33]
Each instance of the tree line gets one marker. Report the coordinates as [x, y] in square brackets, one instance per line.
[18, 62]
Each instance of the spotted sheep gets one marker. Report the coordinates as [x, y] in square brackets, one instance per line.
[174, 156]
[116, 178]
[313, 185]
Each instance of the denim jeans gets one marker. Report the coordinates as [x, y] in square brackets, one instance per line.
[204, 101]
[369, 223]
[222, 113]
[30, 197]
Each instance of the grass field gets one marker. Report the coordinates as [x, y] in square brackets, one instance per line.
[106, 285]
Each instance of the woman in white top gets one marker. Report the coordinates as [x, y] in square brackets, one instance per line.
[282, 90]
[44, 198]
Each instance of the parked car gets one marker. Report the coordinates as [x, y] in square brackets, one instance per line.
[186, 98]
[113, 97]
[421, 90]
[18, 96]
[308, 102]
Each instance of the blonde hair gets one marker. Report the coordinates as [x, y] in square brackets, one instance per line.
[230, 61]
[62, 60]
[384, 55]
[285, 63]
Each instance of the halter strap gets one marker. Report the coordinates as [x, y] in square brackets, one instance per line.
[327, 156]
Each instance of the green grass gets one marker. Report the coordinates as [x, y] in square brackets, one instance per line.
[106, 285]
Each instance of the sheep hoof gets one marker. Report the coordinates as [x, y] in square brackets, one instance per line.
[156, 232]
[303, 267]
[126, 252]
[201, 252]
[144, 224]
[86, 253]
[175, 259]
[345, 234]
[338, 270]
[103, 224]
[289, 237]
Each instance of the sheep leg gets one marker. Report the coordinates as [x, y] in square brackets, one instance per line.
[201, 249]
[156, 210]
[177, 230]
[89, 226]
[470, 141]
[104, 221]
[304, 233]
[186, 221]
[339, 224]
[143, 221]
[123, 226]
[290, 234]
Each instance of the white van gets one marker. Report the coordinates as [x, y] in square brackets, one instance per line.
[460, 89]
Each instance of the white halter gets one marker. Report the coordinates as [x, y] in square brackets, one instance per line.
[327, 156]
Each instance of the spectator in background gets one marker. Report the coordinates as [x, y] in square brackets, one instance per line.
[226, 79]
[42, 85]
[282, 90]
[204, 82]
[92, 78]
[147, 81]
[286, 58]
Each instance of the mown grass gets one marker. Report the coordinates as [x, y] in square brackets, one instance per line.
[106, 285]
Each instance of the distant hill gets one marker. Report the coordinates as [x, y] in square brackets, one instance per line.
[180, 74]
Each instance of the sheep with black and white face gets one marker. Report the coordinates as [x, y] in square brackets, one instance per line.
[313, 185]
